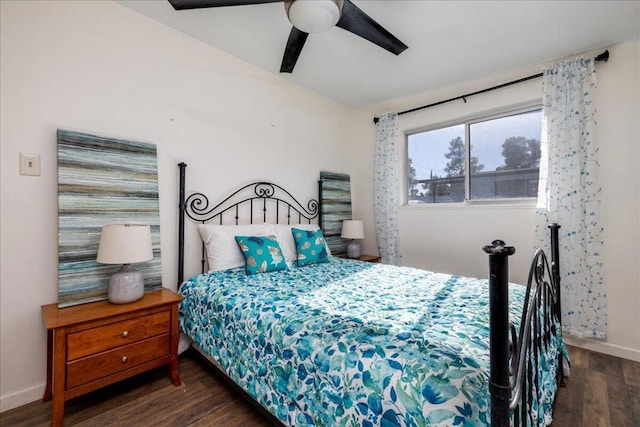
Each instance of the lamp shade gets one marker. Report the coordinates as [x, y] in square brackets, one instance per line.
[313, 16]
[352, 229]
[125, 244]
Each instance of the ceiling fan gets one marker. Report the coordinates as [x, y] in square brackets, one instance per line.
[313, 16]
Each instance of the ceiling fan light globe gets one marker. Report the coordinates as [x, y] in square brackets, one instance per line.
[313, 16]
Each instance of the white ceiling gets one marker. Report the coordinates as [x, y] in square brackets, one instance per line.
[449, 41]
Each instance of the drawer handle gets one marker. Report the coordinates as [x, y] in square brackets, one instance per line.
[125, 334]
[125, 359]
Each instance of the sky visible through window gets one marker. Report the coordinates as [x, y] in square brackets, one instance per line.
[427, 149]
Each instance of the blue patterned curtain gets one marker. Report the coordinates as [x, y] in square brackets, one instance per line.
[569, 193]
[386, 182]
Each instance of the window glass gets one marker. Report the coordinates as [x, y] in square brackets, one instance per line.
[509, 150]
[503, 153]
[435, 167]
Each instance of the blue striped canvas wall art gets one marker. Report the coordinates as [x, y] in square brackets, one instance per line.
[102, 181]
[336, 207]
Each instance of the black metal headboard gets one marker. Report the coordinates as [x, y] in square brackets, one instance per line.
[264, 195]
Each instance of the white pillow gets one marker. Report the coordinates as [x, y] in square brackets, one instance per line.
[222, 249]
[287, 243]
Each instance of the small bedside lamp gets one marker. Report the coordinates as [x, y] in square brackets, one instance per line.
[125, 244]
[352, 229]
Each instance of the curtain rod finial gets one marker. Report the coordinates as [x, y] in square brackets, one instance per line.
[604, 56]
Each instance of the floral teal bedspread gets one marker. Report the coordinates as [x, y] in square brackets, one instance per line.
[349, 343]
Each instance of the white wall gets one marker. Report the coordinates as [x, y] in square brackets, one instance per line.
[101, 68]
[449, 238]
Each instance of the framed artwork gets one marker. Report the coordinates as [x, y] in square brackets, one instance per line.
[102, 181]
[336, 207]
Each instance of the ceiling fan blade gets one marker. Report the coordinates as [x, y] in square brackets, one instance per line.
[295, 44]
[199, 4]
[357, 22]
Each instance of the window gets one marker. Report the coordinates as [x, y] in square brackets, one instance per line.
[504, 153]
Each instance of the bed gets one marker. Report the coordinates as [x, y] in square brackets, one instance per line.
[344, 342]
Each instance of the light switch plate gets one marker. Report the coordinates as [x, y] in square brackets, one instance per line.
[29, 164]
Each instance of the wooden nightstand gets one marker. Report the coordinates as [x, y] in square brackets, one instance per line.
[92, 345]
[363, 257]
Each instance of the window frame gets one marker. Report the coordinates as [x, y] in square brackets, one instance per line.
[467, 122]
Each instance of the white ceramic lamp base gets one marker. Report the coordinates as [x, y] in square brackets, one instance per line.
[353, 249]
[126, 285]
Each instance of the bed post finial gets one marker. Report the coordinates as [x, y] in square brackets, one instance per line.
[499, 383]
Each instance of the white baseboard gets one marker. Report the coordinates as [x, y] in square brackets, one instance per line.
[22, 397]
[604, 347]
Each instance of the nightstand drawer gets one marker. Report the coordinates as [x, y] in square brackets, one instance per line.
[109, 362]
[95, 340]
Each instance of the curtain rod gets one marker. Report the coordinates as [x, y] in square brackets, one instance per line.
[604, 56]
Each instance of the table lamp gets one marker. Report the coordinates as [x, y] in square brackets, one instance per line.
[125, 244]
[352, 229]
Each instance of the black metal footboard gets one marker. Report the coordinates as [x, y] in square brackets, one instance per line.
[516, 379]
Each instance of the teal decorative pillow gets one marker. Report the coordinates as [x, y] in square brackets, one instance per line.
[310, 246]
[262, 254]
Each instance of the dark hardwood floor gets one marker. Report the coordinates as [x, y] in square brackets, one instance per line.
[602, 391]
